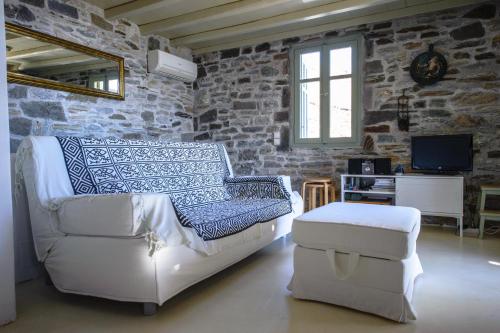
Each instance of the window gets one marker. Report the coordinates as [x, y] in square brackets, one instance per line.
[104, 82]
[327, 92]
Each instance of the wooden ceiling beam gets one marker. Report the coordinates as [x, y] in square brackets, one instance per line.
[57, 61]
[417, 7]
[32, 51]
[137, 7]
[197, 18]
[281, 20]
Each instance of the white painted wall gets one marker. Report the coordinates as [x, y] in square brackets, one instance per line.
[7, 287]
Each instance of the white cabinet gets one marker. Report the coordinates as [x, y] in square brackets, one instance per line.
[432, 195]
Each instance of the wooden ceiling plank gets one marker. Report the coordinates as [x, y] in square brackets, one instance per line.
[32, 51]
[241, 8]
[57, 62]
[280, 20]
[420, 8]
[137, 7]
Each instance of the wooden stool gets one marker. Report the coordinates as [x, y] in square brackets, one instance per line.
[487, 214]
[322, 185]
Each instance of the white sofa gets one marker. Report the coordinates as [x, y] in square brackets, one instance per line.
[96, 244]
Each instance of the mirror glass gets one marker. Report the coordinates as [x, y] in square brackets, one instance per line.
[54, 63]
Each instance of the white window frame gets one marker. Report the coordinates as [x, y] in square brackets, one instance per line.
[324, 46]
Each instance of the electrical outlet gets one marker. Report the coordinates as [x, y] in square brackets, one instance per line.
[277, 138]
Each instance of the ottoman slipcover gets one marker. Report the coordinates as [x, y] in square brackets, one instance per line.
[359, 256]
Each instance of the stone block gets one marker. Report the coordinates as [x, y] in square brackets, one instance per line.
[38, 109]
[202, 137]
[36, 3]
[494, 154]
[416, 29]
[486, 11]
[375, 117]
[20, 126]
[285, 97]
[63, 8]
[117, 116]
[429, 34]
[132, 136]
[19, 13]
[281, 116]
[248, 155]
[284, 139]
[269, 71]
[239, 105]
[183, 115]
[252, 129]
[486, 55]
[262, 47]
[475, 98]
[374, 67]
[18, 92]
[230, 53]
[148, 116]
[383, 25]
[101, 22]
[473, 30]
[209, 116]
[290, 41]
[378, 129]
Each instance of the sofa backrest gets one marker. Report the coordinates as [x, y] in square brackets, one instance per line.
[191, 173]
[48, 171]
[40, 162]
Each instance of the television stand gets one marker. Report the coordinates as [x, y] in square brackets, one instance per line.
[433, 195]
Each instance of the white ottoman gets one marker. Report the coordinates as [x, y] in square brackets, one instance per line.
[359, 256]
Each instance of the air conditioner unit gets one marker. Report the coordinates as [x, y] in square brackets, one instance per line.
[172, 66]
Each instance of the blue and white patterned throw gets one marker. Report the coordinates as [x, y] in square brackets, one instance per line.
[194, 175]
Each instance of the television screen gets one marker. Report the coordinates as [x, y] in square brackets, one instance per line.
[442, 153]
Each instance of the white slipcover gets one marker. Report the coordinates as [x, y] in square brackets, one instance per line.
[388, 232]
[379, 286]
[359, 256]
[96, 245]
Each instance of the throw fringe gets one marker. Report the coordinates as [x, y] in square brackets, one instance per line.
[23, 152]
[154, 243]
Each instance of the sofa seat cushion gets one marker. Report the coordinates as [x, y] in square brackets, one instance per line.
[219, 219]
[196, 177]
[388, 232]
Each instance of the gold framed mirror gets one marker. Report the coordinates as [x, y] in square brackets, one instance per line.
[41, 60]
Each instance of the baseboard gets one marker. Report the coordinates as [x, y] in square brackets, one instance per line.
[471, 232]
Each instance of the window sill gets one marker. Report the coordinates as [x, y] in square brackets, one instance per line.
[329, 146]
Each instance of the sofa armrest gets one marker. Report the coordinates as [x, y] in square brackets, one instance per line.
[115, 215]
[274, 187]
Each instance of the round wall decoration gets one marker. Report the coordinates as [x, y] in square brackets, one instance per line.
[428, 67]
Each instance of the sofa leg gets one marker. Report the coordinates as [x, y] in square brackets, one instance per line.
[149, 309]
[46, 277]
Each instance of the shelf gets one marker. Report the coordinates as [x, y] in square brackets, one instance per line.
[406, 175]
[371, 176]
[490, 213]
[370, 192]
[371, 202]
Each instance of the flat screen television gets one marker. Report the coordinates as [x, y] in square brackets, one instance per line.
[442, 153]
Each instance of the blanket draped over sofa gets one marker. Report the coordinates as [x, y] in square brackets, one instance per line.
[194, 175]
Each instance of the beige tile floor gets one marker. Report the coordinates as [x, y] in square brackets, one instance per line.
[460, 292]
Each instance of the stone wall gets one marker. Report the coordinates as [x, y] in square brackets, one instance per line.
[154, 107]
[243, 97]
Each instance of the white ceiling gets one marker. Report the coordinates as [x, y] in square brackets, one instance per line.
[208, 25]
